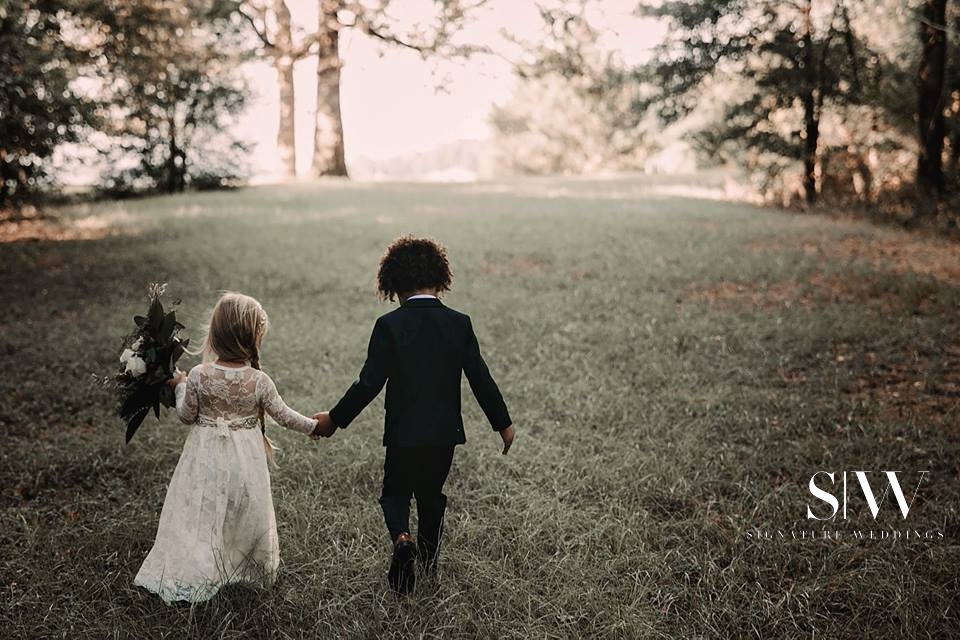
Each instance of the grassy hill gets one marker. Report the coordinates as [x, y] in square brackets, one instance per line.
[677, 368]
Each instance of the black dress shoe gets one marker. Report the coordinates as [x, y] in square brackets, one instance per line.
[402, 576]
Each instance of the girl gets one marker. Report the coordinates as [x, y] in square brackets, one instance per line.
[217, 525]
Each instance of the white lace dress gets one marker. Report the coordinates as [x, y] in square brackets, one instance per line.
[217, 525]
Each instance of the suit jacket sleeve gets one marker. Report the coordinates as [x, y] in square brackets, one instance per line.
[373, 376]
[483, 385]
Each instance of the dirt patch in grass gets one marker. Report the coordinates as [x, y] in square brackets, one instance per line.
[728, 295]
[921, 385]
[934, 257]
[815, 290]
[51, 230]
[42, 227]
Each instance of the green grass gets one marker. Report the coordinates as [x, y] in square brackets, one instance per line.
[656, 424]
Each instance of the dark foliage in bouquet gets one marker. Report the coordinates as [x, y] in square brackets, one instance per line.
[148, 360]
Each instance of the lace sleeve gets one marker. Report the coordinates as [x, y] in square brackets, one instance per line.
[188, 397]
[276, 408]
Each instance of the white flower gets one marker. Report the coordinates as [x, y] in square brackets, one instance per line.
[137, 344]
[135, 366]
[126, 355]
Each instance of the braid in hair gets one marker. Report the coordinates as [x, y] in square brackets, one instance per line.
[255, 363]
[268, 445]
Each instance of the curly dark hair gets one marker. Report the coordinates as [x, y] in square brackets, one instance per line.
[411, 264]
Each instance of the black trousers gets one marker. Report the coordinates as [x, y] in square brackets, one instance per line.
[420, 472]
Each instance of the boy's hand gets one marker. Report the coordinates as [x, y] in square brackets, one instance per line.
[507, 436]
[325, 427]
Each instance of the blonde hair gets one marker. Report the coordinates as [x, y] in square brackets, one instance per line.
[236, 329]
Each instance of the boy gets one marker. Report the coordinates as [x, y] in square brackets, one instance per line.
[418, 350]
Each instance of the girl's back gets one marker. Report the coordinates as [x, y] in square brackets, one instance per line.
[218, 524]
[237, 397]
[216, 392]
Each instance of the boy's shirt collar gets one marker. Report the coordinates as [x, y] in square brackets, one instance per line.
[421, 296]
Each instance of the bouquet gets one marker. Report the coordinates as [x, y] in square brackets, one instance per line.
[148, 360]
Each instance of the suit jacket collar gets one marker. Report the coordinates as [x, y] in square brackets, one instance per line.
[422, 302]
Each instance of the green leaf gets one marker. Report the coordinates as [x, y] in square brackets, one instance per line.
[167, 397]
[155, 316]
[133, 403]
[167, 327]
[173, 360]
[134, 421]
[159, 376]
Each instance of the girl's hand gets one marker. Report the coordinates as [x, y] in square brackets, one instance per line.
[179, 377]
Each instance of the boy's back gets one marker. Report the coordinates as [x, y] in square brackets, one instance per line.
[419, 350]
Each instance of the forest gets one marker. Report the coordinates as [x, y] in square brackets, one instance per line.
[847, 103]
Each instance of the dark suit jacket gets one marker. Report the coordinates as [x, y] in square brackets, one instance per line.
[419, 350]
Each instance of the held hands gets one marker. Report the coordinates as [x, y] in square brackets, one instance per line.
[507, 436]
[325, 427]
[177, 378]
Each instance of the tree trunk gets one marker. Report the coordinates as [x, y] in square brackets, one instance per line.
[172, 155]
[952, 90]
[954, 164]
[176, 170]
[811, 126]
[6, 178]
[811, 115]
[328, 157]
[930, 97]
[286, 131]
[283, 64]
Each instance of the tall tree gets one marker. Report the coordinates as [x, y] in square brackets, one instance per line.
[374, 20]
[272, 22]
[172, 87]
[572, 110]
[785, 58]
[931, 97]
[40, 106]
[328, 150]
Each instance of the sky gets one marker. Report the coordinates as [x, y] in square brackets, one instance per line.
[395, 103]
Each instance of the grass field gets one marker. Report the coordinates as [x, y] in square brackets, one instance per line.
[677, 369]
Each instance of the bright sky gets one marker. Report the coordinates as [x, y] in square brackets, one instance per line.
[389, 97]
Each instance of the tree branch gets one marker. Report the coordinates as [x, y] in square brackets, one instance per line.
[257, 29]
[369, 29]
[450, 19]
[851, 47]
